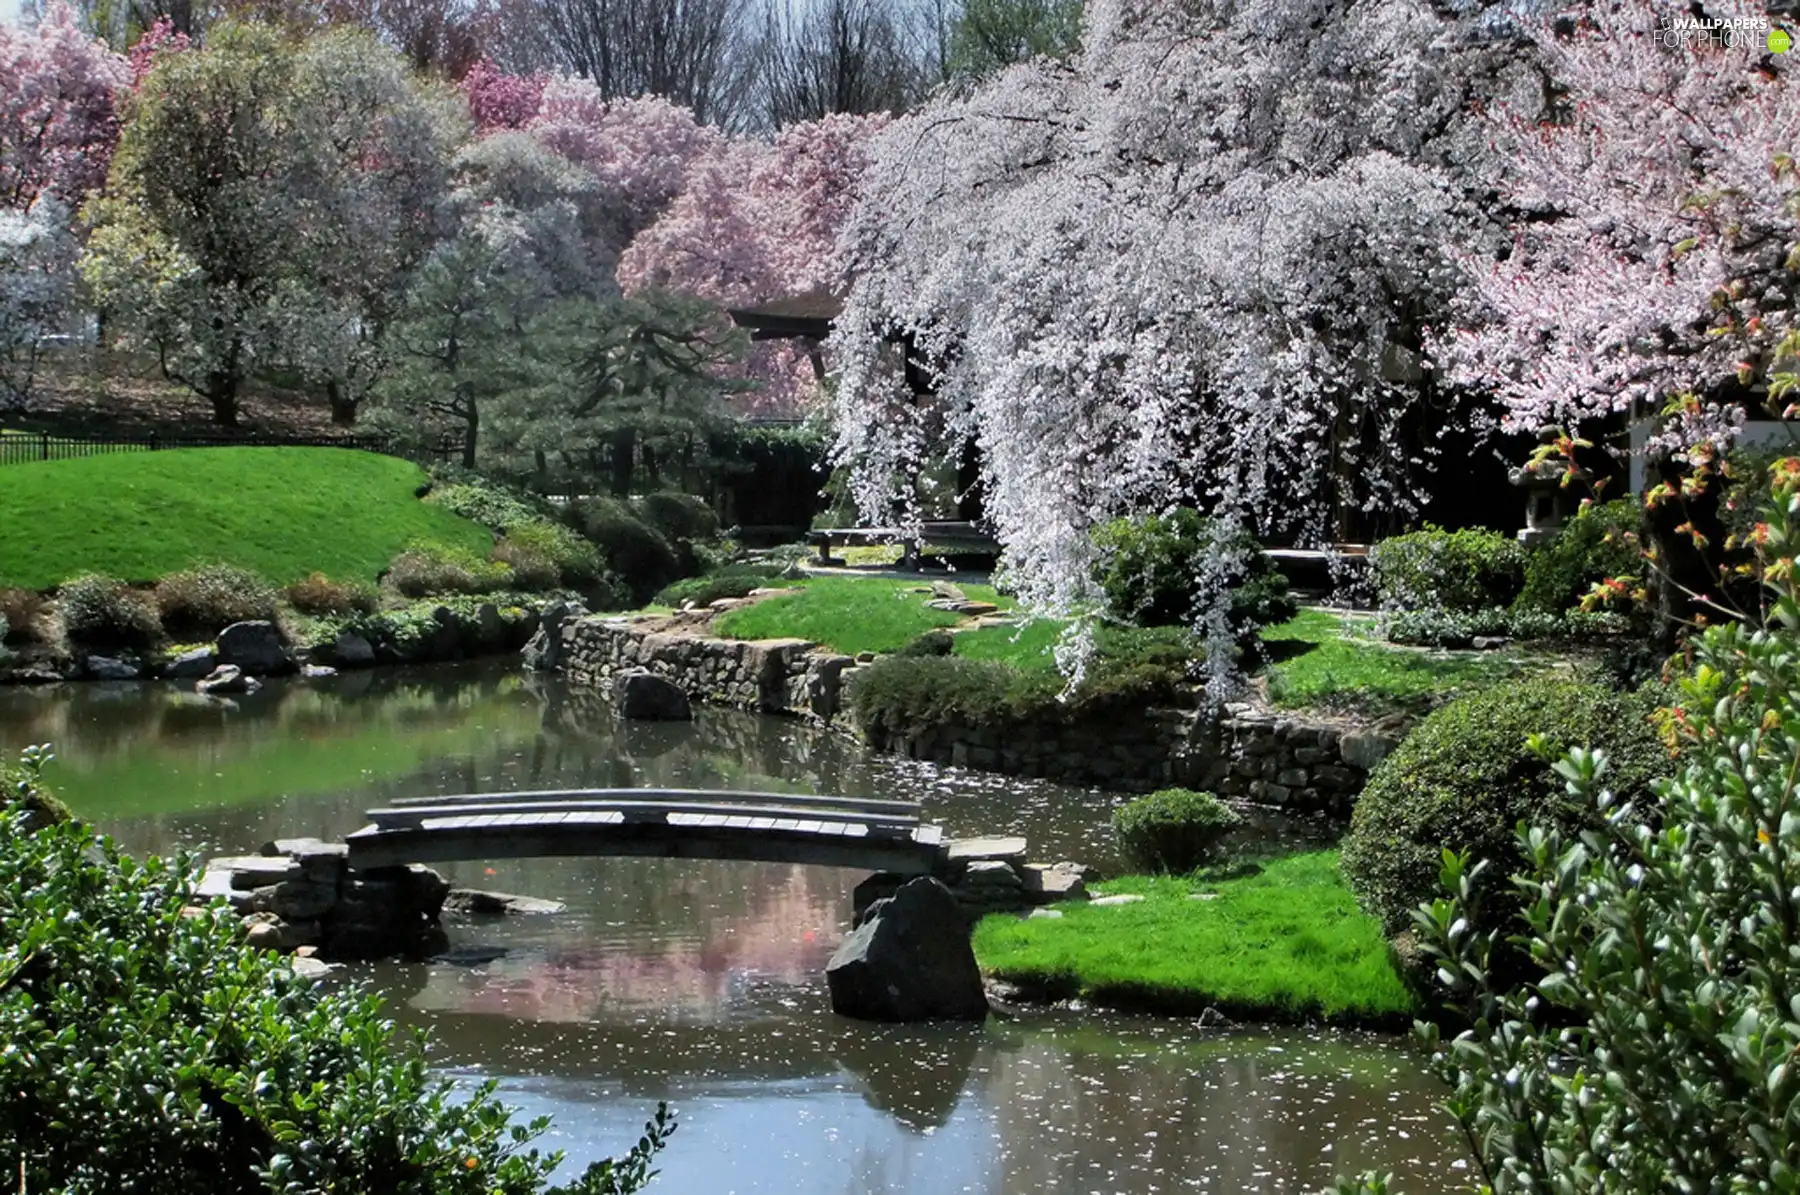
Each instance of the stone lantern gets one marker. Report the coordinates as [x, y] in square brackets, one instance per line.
[1552, 491]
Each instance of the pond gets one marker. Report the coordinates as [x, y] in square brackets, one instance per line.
[702, 982]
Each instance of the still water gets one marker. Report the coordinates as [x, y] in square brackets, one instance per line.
[701, 983]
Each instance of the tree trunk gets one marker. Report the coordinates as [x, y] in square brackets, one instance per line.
[222, 393]
[343, 407]
[471, 431]
[624, 457]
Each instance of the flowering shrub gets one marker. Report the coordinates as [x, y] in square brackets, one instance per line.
[104, 612]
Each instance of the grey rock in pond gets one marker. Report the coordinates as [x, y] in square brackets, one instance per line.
[910, 960]
[34, 674]
[490, 625]
[108, 668]
[498, 904]
[307, 967]
[1046, 885]
[350, 650]
[544, 652]
[255, 647]
[318, 672]
[227, 678]
[644, 696]
[191, 665]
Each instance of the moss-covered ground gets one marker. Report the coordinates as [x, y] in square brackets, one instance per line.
[1285, 944]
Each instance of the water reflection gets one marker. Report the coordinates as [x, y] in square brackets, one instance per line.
[700, 982]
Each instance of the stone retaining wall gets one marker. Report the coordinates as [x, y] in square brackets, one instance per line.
[771, 676]
[1244, 753]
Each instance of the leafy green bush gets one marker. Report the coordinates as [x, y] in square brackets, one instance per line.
[636, 553]
[1464, 778]
[1172, 830]
[1459, 571]
[198, 603]
[732, 581]
[153, 1050]
[678, 516]
[931, 643]
[1447, 628]
[425, 569]
[1601, 542]
[1150, 566]
[905, 695]
[104, 612]
[320, 595]
[23, 787]
[548, 556]
[493, 506]
[1660, 1040]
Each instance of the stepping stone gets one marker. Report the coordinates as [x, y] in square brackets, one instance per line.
[1122, 898]
[969, 850]
[1044, 915]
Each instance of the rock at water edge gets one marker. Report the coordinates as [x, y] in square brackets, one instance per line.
[480, 903]
[641, 695]
[227, 678]
[109, 668]
[192, 665]
[254, 646]
[910, 960]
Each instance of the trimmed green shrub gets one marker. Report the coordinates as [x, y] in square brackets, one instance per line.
[732, 581]
[320, 595]
[426, 569]
[1172, 830]
[1601, 542]
[152, 1050]
[1149, 565]
[931, 643]
[23, 787]
[905, 695]
[199, 603]
[1447, 628]
[104, 612]
[494, 507]
[637, 553]
[1459, 571]
[548, 555]
[678, 516]
[1464, 779]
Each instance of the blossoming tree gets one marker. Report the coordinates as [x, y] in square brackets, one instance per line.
[1195, 264]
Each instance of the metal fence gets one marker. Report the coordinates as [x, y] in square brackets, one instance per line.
[17, 448]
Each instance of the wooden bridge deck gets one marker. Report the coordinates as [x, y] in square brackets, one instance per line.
[874, 835]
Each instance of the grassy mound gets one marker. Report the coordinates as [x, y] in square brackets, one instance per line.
[849, 614]
[281, 512]
[1285, 944]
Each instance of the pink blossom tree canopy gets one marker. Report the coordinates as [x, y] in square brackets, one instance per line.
[498, 100]
[759, 222]
[1658, 257]
[640, 150]
[58, 122]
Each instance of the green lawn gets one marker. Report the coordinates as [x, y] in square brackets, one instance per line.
[849, 614]
[1288, 943]
[283, 512]
[1320, 660]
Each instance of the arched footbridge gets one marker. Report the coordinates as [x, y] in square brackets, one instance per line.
[868, 834]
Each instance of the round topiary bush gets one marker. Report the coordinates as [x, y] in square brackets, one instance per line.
[201, 602]
[930, 643]
[105, 613]
[1464, 779]
[1173, 830]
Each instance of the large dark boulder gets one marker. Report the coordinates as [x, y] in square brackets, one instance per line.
[255, 647]
[909, 960]
[645, 696]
